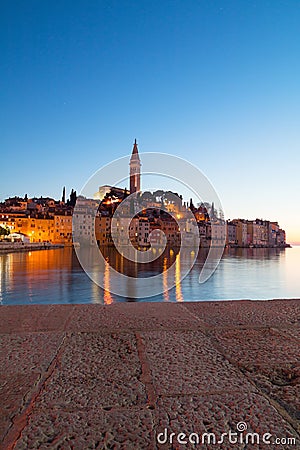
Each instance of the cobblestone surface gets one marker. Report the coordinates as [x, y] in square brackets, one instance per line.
[189, 360]
[253, 346]
[135, 316]
[247, 313]
[281, 383]
[28, 352]
[88, 429]
[95, 371]
[115, 377]
[220, 414]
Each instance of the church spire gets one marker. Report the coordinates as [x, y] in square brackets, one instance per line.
[135, 170]
[135, 148]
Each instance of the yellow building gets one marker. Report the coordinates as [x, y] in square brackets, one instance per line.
[37, 229]
[40, 230]
[62, 229]
[102, 230]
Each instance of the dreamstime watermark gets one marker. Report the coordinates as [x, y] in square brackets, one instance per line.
[158, 169]
[239, 436]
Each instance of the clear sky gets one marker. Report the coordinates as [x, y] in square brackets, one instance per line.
[215, 82]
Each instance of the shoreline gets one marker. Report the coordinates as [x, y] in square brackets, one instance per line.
[19, 247]
[28, 247]
[99, 376]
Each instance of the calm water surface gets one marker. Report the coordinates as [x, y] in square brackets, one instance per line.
[55, 276]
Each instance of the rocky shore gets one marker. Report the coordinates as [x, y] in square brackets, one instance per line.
[150, 376]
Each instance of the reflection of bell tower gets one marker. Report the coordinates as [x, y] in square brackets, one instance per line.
[135, 170]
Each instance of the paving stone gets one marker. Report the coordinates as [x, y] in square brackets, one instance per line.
[119, 373]
[22, 318]
[247, 313]
[280, 382]
[220, 414]
[88, 429]
[27, 352]
[15, 390]
[5, 423]
[55, 319]
[253, 346]
[294, 332]
[95, 371]
[34, 318]
[131, 316]
[186, 362]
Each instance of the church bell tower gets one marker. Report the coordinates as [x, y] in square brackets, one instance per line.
[135, 170]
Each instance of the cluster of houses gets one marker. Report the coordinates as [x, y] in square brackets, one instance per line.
[152, 225]
[152, 218]
[47, 220]
[37, 220]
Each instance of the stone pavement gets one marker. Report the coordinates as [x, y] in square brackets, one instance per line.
[127, 375]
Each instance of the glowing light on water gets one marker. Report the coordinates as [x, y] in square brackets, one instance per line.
[165, 280]
[107, 295]
[179, 296]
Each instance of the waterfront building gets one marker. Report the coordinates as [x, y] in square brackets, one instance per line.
[281, 239]
[241, 232]
[144, 232]
[202, 227]
[258, 233]
[84, 220]
[102, 230]
[231, 237]
[171, 230]
[63, 229]
[218, 232]
[7, 222]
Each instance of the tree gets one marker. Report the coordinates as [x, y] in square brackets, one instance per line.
[4, 231]
[147, 197]
[73, 198]
[192, 207]
[63, 198]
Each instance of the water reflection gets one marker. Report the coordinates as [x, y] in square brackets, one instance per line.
[165, 281]
[107, 295]
[55, 276]
[179, 297]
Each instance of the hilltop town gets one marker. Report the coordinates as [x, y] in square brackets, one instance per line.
[45, 219]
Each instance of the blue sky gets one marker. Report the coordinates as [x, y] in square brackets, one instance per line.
[215, 82]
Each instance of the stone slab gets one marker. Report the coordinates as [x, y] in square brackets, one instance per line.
[15, 392]
[220, 414]
[28, 352]
[95, 371]
[247, 313]
[186, 362]
[131, 316]
[281, 383]
[249, 347]
[88, 429]
[34, 318]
